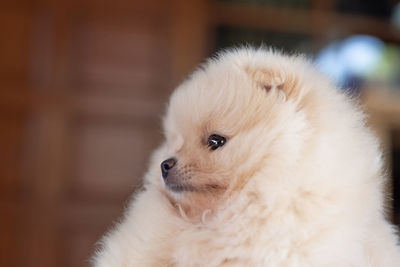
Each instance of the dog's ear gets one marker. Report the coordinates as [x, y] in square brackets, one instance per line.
[268, 79]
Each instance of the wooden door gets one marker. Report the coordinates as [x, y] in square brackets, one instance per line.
[83, 85]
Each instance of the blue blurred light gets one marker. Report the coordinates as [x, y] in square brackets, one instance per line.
[354, 57]
[361, 53]
[329, 63]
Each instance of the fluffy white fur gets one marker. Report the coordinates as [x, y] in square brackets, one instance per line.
[299, 180]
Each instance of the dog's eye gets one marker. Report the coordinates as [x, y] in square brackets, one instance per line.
[215, 141]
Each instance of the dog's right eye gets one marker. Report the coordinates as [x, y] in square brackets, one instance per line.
[215, 141]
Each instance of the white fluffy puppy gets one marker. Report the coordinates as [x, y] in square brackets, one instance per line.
[265, 163]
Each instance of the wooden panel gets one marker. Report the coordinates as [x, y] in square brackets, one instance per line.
[9, 231]
[111, 157]
[11, 127]
[79, 243]
[191, 37]
[84, 85]
[16, 32]
[118, 53]
[82, 227]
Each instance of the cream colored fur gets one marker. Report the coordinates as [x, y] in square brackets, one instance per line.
[298, 183]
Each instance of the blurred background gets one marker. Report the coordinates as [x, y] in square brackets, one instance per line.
[83, 84]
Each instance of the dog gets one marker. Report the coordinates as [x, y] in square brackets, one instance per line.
[265, 163]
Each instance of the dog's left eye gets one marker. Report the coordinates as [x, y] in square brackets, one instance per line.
[215, 141]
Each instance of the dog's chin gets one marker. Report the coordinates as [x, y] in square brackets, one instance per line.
[192, 200]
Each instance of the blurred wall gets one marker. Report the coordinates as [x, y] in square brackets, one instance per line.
[83, 85]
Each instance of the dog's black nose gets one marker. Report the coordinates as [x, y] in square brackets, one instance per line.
[166, 165]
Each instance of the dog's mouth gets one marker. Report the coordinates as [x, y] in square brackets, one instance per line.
[176, 187]
[174, 182]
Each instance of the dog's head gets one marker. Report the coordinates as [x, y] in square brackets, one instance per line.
[236, 116]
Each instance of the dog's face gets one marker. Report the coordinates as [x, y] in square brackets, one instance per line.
[224, 125]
